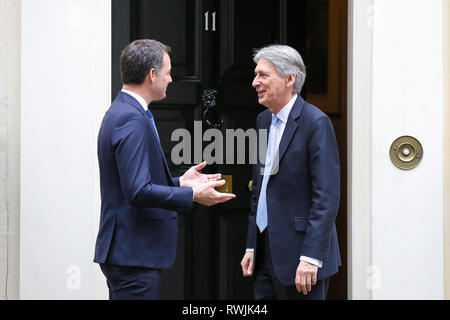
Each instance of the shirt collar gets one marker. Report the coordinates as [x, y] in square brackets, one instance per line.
[283, 114]
[141, 100]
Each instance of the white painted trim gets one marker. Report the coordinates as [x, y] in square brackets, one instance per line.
[359, 142]
[446, 42]
[65, 88]
[407, 99]
[9, 147]
[102, 82]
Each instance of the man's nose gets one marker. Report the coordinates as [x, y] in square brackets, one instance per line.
[255, 82]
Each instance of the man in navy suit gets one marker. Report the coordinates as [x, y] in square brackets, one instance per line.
[292, 245]
[138, 224]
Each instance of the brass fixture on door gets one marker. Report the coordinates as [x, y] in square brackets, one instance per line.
[406, 152]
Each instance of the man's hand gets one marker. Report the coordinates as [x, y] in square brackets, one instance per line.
[194, 178]
[306, 277]
[247, 264]
[206, 194]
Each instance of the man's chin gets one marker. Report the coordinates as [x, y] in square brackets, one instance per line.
[161, 98]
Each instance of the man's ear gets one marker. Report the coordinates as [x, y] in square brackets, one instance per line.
[152, 75]
[291, 80]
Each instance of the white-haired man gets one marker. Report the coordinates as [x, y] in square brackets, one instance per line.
[292, 245]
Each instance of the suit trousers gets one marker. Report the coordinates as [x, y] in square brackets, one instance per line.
[268, 287]
[132, 283]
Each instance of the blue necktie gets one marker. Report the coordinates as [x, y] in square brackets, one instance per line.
[261, 213]
[152, 121]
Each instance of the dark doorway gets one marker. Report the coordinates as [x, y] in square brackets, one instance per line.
[212, 43]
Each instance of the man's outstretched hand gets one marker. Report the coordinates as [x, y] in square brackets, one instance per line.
[206, 194]
[203, 186]
[194, 178]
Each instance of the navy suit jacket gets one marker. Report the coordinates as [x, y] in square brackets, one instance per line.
[303, 196]
[140, 199]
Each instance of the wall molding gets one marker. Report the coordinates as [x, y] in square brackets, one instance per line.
[359, 147]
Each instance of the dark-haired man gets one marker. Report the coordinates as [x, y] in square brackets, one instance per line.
[138, 227]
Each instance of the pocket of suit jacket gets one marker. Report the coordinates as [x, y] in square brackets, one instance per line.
[301, 223]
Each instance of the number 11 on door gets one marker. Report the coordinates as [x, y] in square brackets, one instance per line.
[207, 21]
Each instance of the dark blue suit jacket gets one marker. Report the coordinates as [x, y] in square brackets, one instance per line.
[303, 196]
[140, 199]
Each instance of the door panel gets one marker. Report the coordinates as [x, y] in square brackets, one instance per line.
[174, 22]
[232, 231]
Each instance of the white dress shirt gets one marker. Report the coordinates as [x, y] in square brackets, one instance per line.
[141, 100]
[283, 115]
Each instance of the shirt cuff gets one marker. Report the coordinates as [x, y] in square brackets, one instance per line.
[249, 250]
[313, 261]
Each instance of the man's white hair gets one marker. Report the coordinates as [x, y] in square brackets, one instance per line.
[286, 60]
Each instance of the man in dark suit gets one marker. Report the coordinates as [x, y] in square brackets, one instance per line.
[138, 224]
[292, 245]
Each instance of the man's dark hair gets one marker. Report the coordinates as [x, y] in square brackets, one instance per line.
[139, 57]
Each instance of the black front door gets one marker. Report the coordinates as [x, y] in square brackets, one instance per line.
[212, 43]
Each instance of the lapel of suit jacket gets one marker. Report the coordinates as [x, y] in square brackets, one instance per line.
[264, 124]
[138, 106]
[291, 126]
